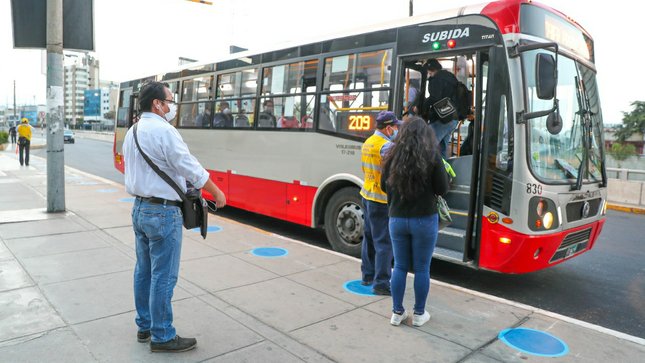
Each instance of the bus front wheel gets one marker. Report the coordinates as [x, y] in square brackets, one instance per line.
[344, 221]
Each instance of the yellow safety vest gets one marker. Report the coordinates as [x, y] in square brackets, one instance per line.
[371, 160]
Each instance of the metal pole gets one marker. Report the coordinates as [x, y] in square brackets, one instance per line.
[411, 7]
[55, 151]
[14, 98]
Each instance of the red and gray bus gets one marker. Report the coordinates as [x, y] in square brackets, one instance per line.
[280, 131]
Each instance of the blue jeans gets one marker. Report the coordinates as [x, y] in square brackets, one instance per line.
[376, 251]
[443, 132]
[157, 230]
[413, 242]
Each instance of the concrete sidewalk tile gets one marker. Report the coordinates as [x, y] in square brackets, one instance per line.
[585, 345]
[363, 336]
[55, 244]
[39, 228]
[299, 258]
[266, 352]
[273, 335]
[13, 276]
[113, 339]
[222, 272]
[57, 346]
[458, 316]
[96, 297]
[107, 217]
[191, 250]
[124, 235]
[331, 279]
[284, 304]
[25, 312]
[5, 254]
[75, 265]
[480, 358]
[18, 196]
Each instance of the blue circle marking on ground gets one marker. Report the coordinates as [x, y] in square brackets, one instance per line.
[355, 287]
[534, 342]
[127, 200]
[269, 252]
[210, 229]
[107, 190]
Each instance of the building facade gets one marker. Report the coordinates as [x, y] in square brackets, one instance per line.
[81, 74]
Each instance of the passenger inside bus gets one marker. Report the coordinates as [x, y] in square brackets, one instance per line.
[266, 119]
[241, 120]
[223, 118]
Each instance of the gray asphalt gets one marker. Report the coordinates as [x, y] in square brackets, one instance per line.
[605, 286]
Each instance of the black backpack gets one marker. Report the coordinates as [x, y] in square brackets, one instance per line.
[462, 100]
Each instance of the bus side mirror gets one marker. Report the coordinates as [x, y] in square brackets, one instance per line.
[546, 76]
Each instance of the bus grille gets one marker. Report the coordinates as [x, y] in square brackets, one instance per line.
[571, 244]
[574, 210]
[497, 194]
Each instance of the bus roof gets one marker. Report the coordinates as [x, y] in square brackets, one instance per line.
[504, 13]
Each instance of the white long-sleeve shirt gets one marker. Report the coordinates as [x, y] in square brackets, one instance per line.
[165, 147]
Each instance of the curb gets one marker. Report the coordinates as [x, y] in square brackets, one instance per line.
[627, 209]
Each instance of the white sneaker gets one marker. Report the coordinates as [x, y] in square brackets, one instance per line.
[398, 318]
[418, 320]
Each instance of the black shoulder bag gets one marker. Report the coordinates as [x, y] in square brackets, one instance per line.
[193, 207]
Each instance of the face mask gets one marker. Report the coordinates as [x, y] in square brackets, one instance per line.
[394, 133]
[172, 113]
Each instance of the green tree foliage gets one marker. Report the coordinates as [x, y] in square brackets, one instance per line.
[633, 122]
[4, 137]
[620, 152]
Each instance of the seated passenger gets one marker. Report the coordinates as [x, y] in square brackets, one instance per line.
[223, 118]
[266, 117]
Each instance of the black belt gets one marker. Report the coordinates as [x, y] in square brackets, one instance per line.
[155, 200]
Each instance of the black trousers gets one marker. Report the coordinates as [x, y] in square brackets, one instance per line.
[24, 150]
[13, 139]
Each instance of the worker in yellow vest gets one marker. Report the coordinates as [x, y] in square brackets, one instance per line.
[24, 140]
[376, 253]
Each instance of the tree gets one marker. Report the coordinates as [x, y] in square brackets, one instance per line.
[620, 152]
[633, 122]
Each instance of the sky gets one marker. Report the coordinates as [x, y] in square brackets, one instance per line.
[136, 38]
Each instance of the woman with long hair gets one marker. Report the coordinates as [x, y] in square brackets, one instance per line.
[413, 175]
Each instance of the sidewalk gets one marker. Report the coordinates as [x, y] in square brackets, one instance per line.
[66, 294]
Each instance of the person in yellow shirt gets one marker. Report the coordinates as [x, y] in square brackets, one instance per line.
[24, 140]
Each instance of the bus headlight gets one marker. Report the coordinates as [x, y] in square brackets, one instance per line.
[542, 214]
[547, 220]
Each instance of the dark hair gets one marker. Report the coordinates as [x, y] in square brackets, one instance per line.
[149, 92]
[267, 102]
[412, 158]
[434, 65]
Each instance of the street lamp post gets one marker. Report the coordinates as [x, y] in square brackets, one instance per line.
[55, 151]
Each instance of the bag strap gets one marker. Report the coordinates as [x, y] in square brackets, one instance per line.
[159, 172]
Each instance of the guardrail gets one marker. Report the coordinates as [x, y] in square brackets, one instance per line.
[626, 187]
[624, 174]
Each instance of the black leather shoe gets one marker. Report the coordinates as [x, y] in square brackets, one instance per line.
[366, 283]
[143, 336]
[385, 291]
[176, 345]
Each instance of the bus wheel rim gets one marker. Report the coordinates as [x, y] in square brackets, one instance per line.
[349, 223]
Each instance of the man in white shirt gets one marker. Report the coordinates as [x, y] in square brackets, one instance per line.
[156, 215]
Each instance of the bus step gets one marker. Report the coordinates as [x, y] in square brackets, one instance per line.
[449, 255]
[453, 232]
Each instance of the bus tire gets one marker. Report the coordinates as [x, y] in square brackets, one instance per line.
[344, 221]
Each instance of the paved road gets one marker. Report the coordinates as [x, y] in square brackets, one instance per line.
[605, 286]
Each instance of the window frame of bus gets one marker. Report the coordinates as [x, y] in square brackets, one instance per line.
[272, 95]
[325, 90]
[237, 96]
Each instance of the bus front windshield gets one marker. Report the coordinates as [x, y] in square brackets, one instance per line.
[557, 157]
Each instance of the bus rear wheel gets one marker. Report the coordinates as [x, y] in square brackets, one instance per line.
[344, 221]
